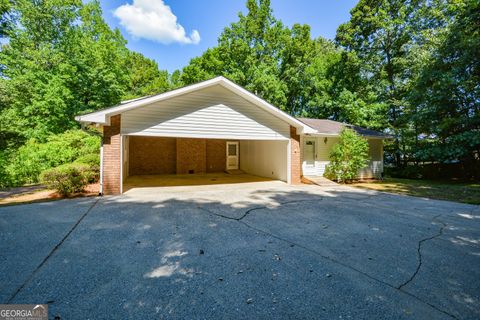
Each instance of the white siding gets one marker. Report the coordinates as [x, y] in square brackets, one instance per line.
[322, 151]
[373, 169]
[264, 158]
[214, 112]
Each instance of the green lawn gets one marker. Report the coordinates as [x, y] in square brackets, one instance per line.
[442, 190]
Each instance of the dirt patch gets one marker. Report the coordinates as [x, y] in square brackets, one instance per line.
[39, 194]
[5, 193]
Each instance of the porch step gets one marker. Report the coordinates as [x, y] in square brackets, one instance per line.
[318, 180]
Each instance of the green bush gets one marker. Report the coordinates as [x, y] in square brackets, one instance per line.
[67, 179]
[347, 157]
[4, 177]
[409, 172]
[93, 161]
[34, 157]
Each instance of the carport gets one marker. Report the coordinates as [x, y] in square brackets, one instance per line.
[166, 161]
[213, 126]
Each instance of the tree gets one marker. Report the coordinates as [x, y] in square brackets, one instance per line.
[378, 32]
[337, 90]
[144, 78]
[447, 94]
[5, 17]
[249, 53]
[59, 59]
[62, 59]
[347, 157]
[285, 66]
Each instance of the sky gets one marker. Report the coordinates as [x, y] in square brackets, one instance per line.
[172, 32]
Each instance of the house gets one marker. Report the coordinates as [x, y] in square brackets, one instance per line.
[213, 126]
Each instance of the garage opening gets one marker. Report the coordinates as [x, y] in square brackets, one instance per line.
[170, 161]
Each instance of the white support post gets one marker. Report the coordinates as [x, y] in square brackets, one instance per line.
[289, 162]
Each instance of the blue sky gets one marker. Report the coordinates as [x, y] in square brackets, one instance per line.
[151, 29]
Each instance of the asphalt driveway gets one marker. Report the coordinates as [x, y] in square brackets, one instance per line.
[254, 250]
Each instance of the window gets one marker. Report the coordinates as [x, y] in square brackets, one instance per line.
[232, 149]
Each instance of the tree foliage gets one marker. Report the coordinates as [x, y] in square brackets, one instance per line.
[408, 67]
[447, 94]
[34, 157]
[379, 32]
[286, 67]
[347, 157]
[62, 59]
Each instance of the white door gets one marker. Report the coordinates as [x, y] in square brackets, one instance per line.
[309, 157]
[232, 155]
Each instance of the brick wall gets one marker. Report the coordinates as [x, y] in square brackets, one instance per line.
[191, 155]
[111, 156]
[152, 155]
[156, 155]
[295, 164]
[216, 155]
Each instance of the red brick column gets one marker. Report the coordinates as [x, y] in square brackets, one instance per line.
[295, 165]
[111, 156]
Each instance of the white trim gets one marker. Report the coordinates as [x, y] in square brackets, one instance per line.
[329, 134]
[103, 116]
[289, 161]
[127, 160]
[205, 136]
[314, 154]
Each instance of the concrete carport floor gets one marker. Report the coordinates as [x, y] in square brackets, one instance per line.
[173, 180]
[169, 161]
[263, 250]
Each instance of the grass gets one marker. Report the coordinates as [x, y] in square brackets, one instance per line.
[441, 190]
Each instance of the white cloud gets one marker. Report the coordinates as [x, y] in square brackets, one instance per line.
[153, 20]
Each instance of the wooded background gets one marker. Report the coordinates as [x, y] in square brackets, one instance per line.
[407, 68]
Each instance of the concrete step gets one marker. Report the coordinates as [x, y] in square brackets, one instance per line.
[318, 180]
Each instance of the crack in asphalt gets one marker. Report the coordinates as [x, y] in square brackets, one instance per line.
[338, 262]
[246, 213]
[419, 251]
[57, 246]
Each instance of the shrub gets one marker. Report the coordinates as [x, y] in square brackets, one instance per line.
[34, 157]
[4, 177]
[347, 157]
[93, 161]
[409, 172]
[67, 179]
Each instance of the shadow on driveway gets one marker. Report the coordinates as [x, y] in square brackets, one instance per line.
[257, 251]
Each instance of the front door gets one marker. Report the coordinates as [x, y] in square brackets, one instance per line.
[309, 157]
[232, 155]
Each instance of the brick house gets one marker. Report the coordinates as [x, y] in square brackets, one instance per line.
[214, 126]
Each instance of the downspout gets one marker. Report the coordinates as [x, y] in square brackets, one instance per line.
[101, 168]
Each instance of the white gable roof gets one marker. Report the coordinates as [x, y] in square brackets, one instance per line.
[103, 116]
